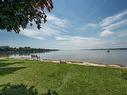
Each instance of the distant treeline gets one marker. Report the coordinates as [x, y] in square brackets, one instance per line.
[8, 49]
[108, 49]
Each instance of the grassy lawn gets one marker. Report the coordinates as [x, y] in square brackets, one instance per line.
[65, 79]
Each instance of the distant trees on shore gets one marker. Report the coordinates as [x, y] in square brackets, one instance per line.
[8, 49]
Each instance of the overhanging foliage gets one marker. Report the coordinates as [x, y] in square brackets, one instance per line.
[16, 14]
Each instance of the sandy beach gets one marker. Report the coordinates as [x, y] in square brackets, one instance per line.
[74, 62]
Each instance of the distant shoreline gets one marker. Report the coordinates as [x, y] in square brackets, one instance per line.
[107, 49]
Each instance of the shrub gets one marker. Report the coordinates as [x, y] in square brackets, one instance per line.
[21, 89]
[124, 75]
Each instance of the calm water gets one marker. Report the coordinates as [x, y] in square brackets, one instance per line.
[99, 56]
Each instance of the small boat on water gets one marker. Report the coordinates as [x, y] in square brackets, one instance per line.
[108, 50]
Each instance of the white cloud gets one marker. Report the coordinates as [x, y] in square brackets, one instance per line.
[92, 25]
[55, 26]
[112, 19]
[78, 42]
[88, 27]
[106, 33]
[67, 38]
[63, 23]
[108, 25]
[62, 38]
[115, 25]
[75, 42]
[112, 23]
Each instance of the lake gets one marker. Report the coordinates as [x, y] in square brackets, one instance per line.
[97, 56]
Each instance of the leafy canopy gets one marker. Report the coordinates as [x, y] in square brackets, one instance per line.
[16, 14]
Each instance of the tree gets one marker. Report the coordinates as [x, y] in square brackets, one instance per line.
[16, 14]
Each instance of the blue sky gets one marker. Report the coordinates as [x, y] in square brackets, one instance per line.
[76, 24]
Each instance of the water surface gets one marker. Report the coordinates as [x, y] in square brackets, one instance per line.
[97, 56]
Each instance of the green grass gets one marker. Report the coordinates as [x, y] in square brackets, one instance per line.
[65, 79]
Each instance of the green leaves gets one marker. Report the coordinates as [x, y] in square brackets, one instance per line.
[18, 90]
[124, 74]
[22, 89]
[16, 14]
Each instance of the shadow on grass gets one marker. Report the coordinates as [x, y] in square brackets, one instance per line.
[22, 89]
[4, 69]
[2, 62]
[5, 62]
[9, 70]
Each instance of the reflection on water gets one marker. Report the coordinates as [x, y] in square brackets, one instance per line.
[8, 54]
[3, 54]
[99, 56]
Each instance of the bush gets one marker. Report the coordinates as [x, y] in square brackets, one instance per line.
[21, 89]
[124, 75]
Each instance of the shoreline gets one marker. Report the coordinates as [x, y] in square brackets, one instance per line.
[85, 63]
